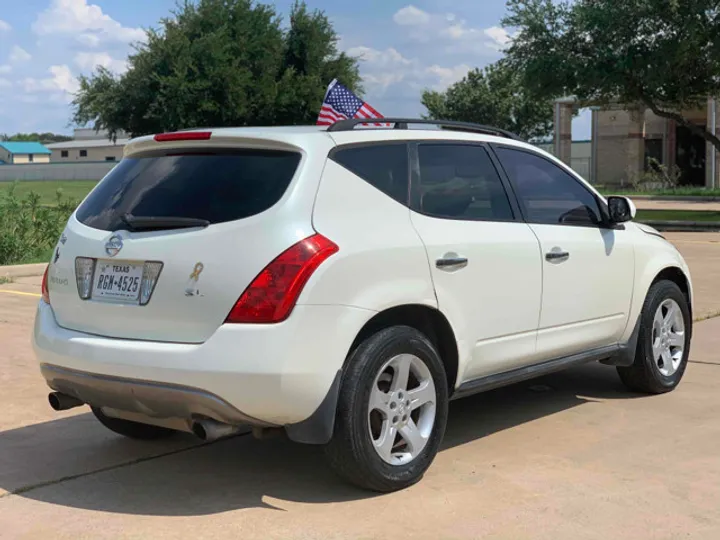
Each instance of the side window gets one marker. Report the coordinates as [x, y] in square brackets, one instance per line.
[384, 166]
[548, 194]
[460, 182]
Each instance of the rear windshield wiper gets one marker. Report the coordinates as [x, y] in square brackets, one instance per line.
[157, 223]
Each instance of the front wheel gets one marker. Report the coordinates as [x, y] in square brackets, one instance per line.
[663, 342]
[392, 411]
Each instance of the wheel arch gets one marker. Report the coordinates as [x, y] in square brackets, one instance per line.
[319, 427]
[677, 276]
[428, 320]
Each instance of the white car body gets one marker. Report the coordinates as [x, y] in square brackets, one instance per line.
[507, 308]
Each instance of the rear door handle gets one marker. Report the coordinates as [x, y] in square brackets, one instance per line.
[557, 255]
[453, 262]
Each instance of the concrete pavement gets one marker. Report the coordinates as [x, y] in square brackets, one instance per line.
[570, 456]
[702, 253]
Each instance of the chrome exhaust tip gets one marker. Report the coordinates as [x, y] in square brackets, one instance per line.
[211, 430]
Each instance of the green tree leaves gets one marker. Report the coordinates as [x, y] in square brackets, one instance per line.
[220, 63]
[660, 54]
[493, 96]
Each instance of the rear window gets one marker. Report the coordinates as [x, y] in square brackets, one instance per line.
[216, 187]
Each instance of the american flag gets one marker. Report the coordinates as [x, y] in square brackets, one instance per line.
[340, 104]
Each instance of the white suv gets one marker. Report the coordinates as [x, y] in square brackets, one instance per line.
[344, 284]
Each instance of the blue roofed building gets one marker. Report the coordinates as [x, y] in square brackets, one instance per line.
[13, 153]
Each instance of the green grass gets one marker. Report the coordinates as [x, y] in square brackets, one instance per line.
[42, 258]
[677, 215]
[677, 192]
[71, 189]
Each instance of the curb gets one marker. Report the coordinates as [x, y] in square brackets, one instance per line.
[23, 270]
[684, 226]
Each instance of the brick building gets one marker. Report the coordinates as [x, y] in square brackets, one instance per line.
[623, 140]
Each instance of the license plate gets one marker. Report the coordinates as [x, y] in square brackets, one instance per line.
[118, 281]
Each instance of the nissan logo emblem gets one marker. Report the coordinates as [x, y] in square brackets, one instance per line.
[114, 245]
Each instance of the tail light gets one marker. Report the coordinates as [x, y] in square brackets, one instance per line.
[44, 287]
[272, 295]
[84, 270]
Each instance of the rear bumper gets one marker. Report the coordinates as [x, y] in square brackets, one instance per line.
[148, 398]
[266, 375]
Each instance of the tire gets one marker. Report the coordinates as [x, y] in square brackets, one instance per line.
[371, 371]
[648, 375]
[133, 430]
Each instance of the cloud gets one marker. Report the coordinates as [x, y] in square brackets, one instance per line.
[4, 69]
[453, 34]
[4, 83]
[4, 27]
[499, 36]
[18, 55]
[86, 22]
[62, 82]
[88, 61]
[89, 40]
[447, 76]
[382, 69]
[411, 16]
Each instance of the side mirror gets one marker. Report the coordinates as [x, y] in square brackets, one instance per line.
[621, 209]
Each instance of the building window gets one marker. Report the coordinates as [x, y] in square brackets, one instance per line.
[64, 153]
[109, 158]
[83, 153]
[31, 158]
[653, 154]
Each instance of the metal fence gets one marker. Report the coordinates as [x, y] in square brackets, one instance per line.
[37, 172]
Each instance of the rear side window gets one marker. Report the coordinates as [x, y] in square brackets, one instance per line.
[216, 187]
[461, 182]
[384, 166]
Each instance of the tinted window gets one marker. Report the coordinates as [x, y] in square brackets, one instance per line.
[461, 182]
[548, 193]
[217, 188]
[383, 166]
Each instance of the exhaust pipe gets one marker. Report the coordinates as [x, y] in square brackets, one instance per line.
[211, 430]
[63, 402]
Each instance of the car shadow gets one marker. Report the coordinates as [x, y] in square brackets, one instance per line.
[75, 462]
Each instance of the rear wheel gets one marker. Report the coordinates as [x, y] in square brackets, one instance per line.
[133, 430]
[392, 411]
[663, 342]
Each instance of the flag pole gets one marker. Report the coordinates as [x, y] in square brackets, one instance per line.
[330, 87]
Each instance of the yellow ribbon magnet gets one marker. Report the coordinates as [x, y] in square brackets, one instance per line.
[197, 271]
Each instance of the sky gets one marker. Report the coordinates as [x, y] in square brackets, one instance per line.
[403, 49]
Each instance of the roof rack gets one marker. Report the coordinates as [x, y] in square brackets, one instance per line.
[402, 123]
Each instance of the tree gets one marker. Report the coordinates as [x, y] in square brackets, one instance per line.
[660, 54]
[220, 63]
[493, 96]
[44, 138]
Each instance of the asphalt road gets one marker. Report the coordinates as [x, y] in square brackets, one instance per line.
[572, 455]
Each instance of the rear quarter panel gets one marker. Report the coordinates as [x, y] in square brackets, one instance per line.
[382, 263]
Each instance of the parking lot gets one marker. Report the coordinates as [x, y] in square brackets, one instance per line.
[572, 455]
